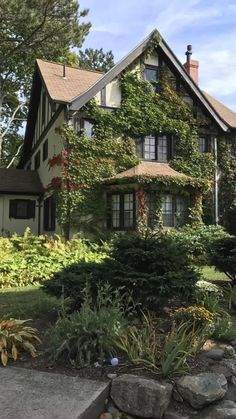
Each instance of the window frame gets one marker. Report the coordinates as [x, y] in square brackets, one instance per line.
[154, 68]
[171, 147]
[30, 209]
[174, 214]
[207, 144]
[121, 226]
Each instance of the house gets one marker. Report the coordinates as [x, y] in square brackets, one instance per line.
[58, 94]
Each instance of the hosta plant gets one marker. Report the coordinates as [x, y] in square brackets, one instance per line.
[16, 337]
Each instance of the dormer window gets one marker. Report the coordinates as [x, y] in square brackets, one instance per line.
[151, 74]
[84, 125]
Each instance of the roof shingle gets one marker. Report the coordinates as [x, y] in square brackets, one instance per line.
[225, 113]
[20, 181]
[61, 89]
[149, 169]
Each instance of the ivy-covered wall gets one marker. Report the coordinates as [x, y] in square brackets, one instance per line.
[86, 162]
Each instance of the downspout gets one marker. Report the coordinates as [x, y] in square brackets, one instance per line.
[216, 186]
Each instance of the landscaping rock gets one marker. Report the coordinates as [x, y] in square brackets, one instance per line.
[229, 351]
[177, 397]
[221, 369]
[174, 415]
[141, 397]
[230, 363]
[111, 376]
[224, 410]
[202, 389]
[216, 354]
[106, 416]
[231, 393]
[233, 343]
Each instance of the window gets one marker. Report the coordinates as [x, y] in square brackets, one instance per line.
[122, 211]
[43, 107]
[173, 210]
[45, 150]
[204, 144]
[150, 148]
[22, 209]
[37, 160]
[160, 148]
[49, 219]
[151, 74]
[85, 125]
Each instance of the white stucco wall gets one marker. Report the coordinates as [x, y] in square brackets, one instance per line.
[55, 145]
[11, 225]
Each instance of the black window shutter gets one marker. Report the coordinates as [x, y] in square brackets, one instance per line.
[12, 208]
[31, 209]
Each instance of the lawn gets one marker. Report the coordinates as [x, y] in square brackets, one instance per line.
[210, 274]
[27, 303]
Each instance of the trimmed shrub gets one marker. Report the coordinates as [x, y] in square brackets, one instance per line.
[224, 257]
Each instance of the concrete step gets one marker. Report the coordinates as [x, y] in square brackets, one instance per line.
[31, 394]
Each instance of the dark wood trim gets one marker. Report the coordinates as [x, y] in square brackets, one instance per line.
[21, 193]
[44, 133]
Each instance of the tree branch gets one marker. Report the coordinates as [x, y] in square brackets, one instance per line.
[12, 119]
[15, 156]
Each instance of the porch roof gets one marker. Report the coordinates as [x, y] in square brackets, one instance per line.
[149, 170]
[17, 181]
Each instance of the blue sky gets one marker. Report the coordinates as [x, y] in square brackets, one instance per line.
[209, 25]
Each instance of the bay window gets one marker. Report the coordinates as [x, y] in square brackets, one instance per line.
[122, 211]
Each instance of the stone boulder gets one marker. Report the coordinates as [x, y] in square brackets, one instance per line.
[140, 396]
[202, 389]
[224, 410]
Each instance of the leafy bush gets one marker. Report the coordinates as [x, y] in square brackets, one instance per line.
[141, 343]
[15, 337]
[152, 268]
[208, 295]
[199, 241]
[29, 259]
[90, 334]
[224, 257]
[224, 329]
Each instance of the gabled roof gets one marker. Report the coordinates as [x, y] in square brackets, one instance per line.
[148, 169]
[226, 113]
[20, 182]
[76, 82]
[83, 98]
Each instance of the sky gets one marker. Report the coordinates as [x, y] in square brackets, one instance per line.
[209, 25]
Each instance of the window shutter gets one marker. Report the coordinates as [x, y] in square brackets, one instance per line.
[31, 209]
[12, 208]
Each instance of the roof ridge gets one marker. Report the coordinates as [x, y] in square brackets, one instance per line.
[70, 66]
[218, 101]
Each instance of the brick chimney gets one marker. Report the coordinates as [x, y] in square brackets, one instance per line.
[191, 66]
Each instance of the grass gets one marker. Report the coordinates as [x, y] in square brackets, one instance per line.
[210, 274]
[27, 303]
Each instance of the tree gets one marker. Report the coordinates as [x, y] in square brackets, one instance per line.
[96, 59]
[31, 29]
